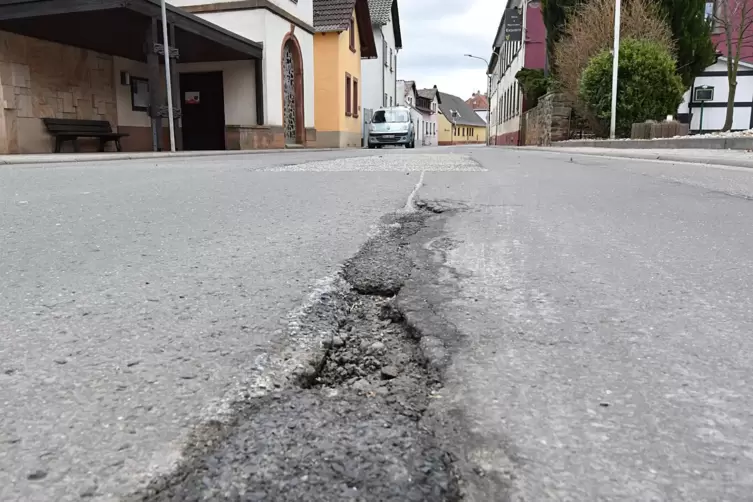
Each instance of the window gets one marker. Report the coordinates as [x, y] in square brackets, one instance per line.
[352, 34]
[712, 14]
[396, 116]
[348, 97]
[390, 100]
[139, 94]
[384, 56]
[390, 59]
[509, 102]
[356, 103]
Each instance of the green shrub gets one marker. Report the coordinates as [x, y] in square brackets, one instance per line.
[648, 86]
[534, 84]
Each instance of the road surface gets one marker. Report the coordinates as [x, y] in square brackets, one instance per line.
[583, 322]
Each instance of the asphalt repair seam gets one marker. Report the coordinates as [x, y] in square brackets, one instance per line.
[347, 423]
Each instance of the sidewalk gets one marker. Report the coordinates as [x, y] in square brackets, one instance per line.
[726, 141]
[57, 158]
[734, 158]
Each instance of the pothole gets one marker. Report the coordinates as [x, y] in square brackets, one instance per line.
[351, 429]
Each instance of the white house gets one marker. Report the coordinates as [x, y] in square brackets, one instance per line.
[407, 95]
[379, 76]
[715, 111]
[285, 28]
[428, 106]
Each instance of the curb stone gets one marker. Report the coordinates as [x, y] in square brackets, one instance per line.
[37, 159]
[638, 154]
[720, 143]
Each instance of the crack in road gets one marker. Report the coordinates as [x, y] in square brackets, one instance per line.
[348, 425]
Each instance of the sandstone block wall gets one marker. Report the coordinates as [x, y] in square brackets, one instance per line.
[548, 121]
[40, 79]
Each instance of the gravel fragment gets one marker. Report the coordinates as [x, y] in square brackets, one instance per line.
[37, 475]
[389, 372]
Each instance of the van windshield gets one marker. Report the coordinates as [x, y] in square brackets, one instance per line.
[390, 116]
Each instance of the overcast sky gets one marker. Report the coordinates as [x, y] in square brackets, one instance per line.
[436, 34]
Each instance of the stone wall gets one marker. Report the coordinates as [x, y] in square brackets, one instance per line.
[548, 121]
[41, 79]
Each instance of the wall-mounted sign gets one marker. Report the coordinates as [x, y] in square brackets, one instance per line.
[513, 27]
[193, 97]
[703, 93]
[139, 94]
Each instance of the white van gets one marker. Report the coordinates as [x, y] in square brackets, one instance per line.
[392, 126]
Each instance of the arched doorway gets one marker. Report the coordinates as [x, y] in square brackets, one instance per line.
[292, 91]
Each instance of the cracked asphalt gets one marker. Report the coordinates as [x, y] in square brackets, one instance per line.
[137, 298]
[587, 318]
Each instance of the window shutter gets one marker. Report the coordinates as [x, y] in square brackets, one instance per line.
[348, 102]
[355, 98]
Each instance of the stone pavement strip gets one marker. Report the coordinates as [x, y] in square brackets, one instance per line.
[732, 158]
[98, 157]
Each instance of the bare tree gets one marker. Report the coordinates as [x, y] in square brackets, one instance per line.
[734, 19]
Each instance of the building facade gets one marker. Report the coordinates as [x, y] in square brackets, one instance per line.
[427, 105]
[344, 36]
[423, 111]
[286, 30]
[715, 111]
[480, 104]
[506, 100]
[52, 70]
[458, 123]
[380, 74]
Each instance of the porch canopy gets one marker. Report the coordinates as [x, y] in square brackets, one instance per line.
[120, 28]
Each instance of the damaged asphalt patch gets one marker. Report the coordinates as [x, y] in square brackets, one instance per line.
[348, 426]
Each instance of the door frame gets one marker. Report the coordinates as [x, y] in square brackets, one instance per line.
[220, 73]
[300, 127]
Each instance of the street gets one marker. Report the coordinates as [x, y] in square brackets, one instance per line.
[432, 324]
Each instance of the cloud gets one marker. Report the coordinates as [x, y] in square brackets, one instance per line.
[437, 34]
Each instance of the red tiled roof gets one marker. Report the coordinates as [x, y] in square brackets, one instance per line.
[478, 101]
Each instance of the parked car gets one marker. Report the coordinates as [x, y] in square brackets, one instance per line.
[392, 126]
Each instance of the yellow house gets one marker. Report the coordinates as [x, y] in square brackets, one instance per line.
[458, 123]
[343, 36]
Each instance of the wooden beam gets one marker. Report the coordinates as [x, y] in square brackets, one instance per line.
[155, 87]
[190, 23]
[233, 5]
[34, 8]
[177, 101]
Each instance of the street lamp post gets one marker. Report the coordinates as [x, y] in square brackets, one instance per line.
[168, 77]
[615, 64]
[488, 96]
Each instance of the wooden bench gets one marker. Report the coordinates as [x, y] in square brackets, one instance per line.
[71, 129]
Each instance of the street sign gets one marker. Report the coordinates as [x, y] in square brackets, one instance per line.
[703, 93]
[513, 31]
